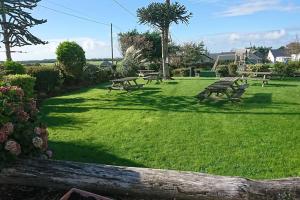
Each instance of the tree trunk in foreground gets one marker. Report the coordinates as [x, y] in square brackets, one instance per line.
[144, 183]
[5, 33]
[164, 45]
[165, 49]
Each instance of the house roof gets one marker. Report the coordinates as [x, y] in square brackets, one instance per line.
[279, 53]
[223, 56]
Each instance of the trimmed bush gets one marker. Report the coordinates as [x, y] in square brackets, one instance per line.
[71, 58]
[259, 68]
[20, 132]
[222, 70]
[24, 81]
[48, 78]
[286, 69]
[11, 67]
[181, 72]
[232, 69]
[94, 74]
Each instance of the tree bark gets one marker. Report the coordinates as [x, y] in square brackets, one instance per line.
[165, 42]
[145, 183]
[5, 33]
[165, 66]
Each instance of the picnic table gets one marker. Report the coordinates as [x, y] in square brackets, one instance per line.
[264, 77]
[228, 86]
[144, 72]
[128, 84]
[153, 76]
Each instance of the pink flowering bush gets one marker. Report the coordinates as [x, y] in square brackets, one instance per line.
[20, 132]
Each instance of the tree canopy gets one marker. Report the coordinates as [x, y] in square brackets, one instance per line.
[161, 15]
[15, 21]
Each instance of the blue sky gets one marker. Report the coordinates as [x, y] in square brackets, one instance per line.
[222, 24]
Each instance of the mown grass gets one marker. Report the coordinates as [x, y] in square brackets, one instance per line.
[164, 126]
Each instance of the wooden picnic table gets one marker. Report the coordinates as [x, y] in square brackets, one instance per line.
[228, 86]
[264, 77]
[128, 84]
[153, 76]
[144, 72]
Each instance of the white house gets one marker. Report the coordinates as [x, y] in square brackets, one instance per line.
[278, 55]
[296, 57]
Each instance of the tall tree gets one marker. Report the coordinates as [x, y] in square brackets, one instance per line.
[293, 48]
[149, 43]
[15, 20]
[193, 53]
[161, 16]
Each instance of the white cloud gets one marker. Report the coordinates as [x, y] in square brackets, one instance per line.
[228, 41]
[253, 6]
[259, 36]
[93, 48]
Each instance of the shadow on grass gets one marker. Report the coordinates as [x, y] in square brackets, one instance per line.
[81, 152]
[152, 100]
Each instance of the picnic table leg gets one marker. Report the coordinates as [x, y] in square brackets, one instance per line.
[227, 94]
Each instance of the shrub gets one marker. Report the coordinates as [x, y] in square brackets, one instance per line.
[286, 69]
[20, 132]
[222, 70]
[24, 81]
[96, 74]
[132, 61]
[48, 78]
[155, 66]
[232, 69]
[259, 68]
[181, 72]
[11, 67]
[71, 57]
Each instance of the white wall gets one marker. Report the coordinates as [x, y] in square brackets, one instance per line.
[295, 57]
[282, 59]
[271, 57]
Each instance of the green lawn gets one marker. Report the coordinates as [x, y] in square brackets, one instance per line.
[163, 126]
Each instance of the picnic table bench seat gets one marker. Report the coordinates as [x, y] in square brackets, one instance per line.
[128, 84]
[228, 86]
[237, 95]
[243, 87]
[152, 77]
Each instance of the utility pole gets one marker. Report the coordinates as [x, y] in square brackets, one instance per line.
[112, 44]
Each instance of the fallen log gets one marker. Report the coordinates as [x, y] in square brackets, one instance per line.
[144, 183]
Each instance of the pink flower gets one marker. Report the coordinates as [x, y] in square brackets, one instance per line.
[4, 89]
[3, 136]
[37, 142]
[49, 153]
[8, 128]
[22, 116]
[18, 90]
[13, 147]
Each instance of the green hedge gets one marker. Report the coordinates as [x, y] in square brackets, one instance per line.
[48, 78]
[24, 81]
[181, 72]
[227, 70]
[286, 69]
[11, 67]
[259, 68]
[94, 74]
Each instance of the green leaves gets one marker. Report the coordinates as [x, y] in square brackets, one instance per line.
[161, 15]
[72, 58]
